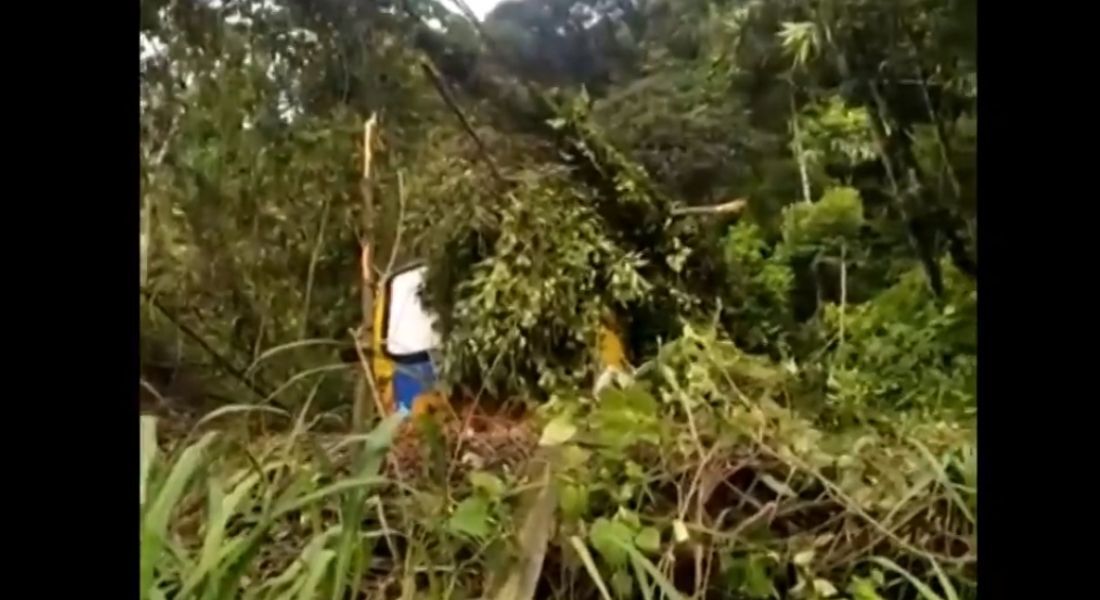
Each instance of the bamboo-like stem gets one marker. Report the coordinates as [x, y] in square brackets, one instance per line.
[365, 383]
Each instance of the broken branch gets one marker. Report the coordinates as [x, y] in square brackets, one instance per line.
[731, 207]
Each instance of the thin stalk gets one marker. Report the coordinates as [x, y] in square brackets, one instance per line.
[400, 223]
[800, 153]
[311, 272]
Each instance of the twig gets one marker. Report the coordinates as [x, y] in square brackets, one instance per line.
[856, 552]
[937, 124]
[843, 287]
[854, 506]
[449, 100]
[311, 271]
[224, 363]
[400, 222]
[470, 417]
[259, 342]
[368, 374]
[765, 511]
[731, 207]
[152, 390]
[147, 226]
[368, 144]
[385, 525]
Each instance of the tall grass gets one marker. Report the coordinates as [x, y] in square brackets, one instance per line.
[213, 516]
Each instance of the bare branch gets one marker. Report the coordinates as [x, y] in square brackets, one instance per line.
[311, 272]
[400, 223]
[731, 207]
[220, 360]
[445, 94]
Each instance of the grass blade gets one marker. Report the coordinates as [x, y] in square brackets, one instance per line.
[289, 576]
[639, 574]
[154, 528]
[302, 375]
[941, 474]
[661, 581]
[243, 550]
[240, 408]
[267, 354]
[945, 582]
[590, 565]
[148, 450]
[329, 490]
[316, 572]
[368, 464]
[214, 549]
[926, 592]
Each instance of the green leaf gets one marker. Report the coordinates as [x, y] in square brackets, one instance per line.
[610, 539]
[680, 531]
[622, 583]
[749, 576]
[648, 540]
[558, 431]
[758, 582]
[824, 588]
[471, 518]
[488, 483]
[863, 589]
[574, 501]
[629, 518]
[639, 400]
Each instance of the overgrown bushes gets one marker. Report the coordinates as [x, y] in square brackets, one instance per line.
[799, 418]
[698, 477]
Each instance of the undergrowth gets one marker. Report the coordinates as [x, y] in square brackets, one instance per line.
[697, 478]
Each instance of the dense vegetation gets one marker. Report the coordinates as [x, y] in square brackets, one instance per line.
[776, 200]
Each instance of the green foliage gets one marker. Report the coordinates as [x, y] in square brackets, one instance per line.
[611, 538]
[709, 399]
[702, 401]
[526, 316]
[750, 575]
[800, 40]
[625, 418]
[681, 126]
[906, 350]
[813, 439]
[759, 289]
[834, 133]
[822, 226]
[471, 518]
